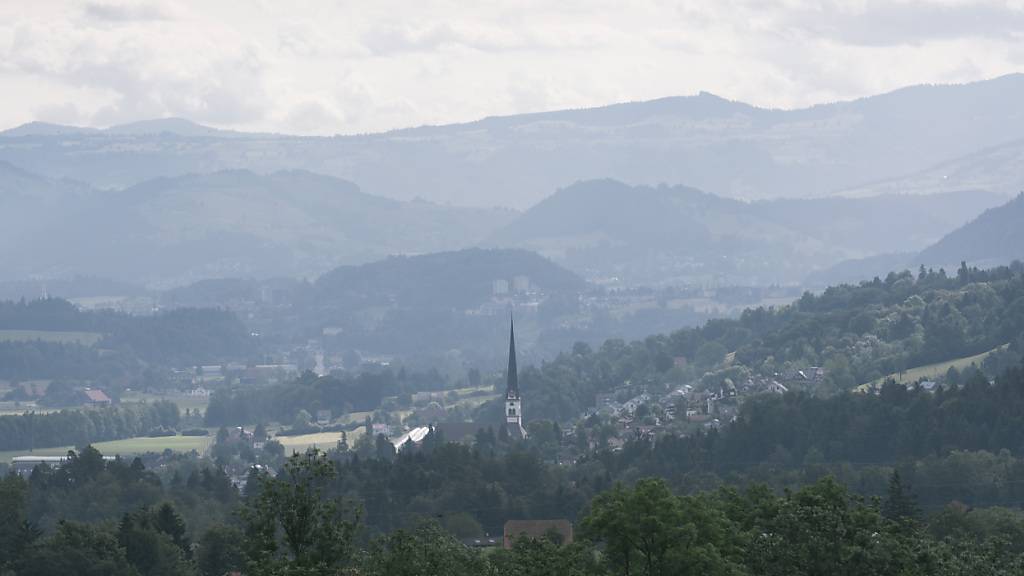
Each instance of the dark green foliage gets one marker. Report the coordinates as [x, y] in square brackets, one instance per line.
[858, 333]
[424, 551]
[81, 427]
[900, 504]
[77, 550]
[181, 337]
[154, 542]
[529, 557]
[220, 551]
[292, 528]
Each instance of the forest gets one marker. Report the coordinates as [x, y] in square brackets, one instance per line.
[181, 337]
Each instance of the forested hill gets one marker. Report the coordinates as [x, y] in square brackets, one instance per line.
[171, 231]
[857, 333]
[51, 338]
[994, 237]
[461, 279]
[654, 234]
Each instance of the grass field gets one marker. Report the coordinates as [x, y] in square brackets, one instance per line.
[84, 338]
[929, 371]
[322, 440]
[126, 447]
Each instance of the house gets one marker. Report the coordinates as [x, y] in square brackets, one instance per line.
[560, 531]
[777, 388]
[323, 417]
[96, 397]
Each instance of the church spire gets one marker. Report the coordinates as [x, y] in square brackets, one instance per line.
[512, 388]
[513, 402]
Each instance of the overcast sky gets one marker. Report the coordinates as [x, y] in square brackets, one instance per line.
[325, 67]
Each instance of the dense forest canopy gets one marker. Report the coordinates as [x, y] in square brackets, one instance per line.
[858, 333]
[125, 344]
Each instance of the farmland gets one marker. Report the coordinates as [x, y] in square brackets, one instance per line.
[126, 447]
[929, 371]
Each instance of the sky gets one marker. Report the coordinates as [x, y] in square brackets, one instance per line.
[345, 67]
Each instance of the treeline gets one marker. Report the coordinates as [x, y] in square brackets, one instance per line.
[180, 338]
[340, 394]
[54, 360]
[82, 427]
[641, 530]
[858, 333]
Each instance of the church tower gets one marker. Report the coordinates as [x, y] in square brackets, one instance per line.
[513, 401]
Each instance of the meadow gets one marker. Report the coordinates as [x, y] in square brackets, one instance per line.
[127, 447]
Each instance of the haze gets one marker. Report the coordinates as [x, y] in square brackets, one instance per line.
[317, 67]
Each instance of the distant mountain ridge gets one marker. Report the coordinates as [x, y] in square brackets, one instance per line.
[177, 230]
[727, 148]
[691, 237]
[993, 238]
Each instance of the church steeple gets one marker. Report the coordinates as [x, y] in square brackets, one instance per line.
[512, 387]
[513, 402]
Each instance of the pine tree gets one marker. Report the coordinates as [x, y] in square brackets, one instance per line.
[900, 503]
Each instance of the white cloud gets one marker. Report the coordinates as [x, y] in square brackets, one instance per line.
[320, 66]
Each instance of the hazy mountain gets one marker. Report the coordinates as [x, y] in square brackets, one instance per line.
[997, 169]
[229, 223]
[857, 270]
[995, 237]
[724, 147]
[461, 279]
[641, 234]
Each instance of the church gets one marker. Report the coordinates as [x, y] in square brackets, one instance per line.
[513, 400]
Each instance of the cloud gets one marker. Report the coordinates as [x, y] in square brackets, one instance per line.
[896, 22]
[346, 66]
[123, 12]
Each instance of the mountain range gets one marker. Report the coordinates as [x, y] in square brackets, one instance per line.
[688, 236]
[171, 231]
[905, 140]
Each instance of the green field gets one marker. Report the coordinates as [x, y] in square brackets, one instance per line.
[929, 371]
[321, 440]
[126, 447]
[83, 338]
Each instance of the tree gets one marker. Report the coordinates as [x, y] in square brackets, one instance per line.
[425, 551]
[292, 527]
[148, 549]
[900, 504]
[77, 550]
[16, 532]
[530, 557]
[637, 527]
[220, 551]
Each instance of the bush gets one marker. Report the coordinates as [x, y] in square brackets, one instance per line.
[195, 432]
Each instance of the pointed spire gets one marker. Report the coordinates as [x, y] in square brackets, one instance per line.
[512, 389]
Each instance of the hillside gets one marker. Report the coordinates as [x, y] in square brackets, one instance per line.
[994, 237]
[640, 234]
[728, 148]
[997, 169]
[228, 223]
[462, 279]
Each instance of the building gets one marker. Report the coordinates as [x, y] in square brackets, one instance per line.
[559, 531]
[95, 397]
[513, 401]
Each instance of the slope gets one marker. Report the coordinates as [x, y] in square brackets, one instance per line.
[994, 237]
